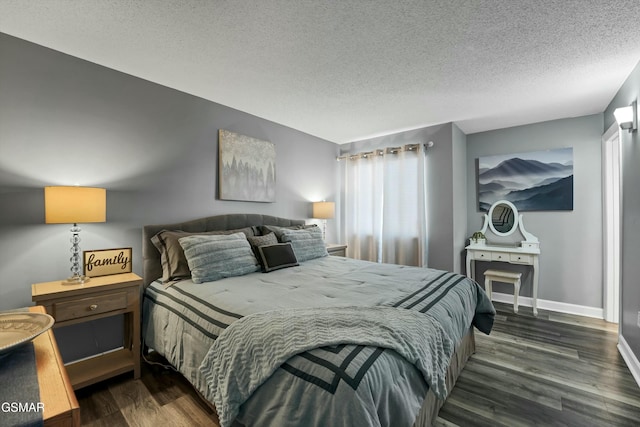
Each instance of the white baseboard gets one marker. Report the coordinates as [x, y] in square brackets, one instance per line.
[630, 359]
[562, 307]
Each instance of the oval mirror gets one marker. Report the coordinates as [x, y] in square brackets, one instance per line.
[503, 218]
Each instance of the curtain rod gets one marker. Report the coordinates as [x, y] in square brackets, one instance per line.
[382, 152]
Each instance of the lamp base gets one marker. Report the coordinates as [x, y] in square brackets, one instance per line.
[76, 280]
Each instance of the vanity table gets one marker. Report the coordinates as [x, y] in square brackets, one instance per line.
[500, 224]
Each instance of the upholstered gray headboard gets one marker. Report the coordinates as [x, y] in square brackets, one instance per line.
[151, 256]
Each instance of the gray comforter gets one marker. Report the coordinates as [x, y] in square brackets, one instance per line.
[348, 384]
[252, 348]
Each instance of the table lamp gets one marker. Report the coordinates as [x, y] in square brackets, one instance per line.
[324, 211]
[73, 205]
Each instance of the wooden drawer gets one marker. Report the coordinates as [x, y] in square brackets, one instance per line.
[482, 255]
[499, 256]
[89, 306]
[521, 259]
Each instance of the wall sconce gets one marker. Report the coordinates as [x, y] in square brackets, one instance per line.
[71, 205]
[627, 117]
[324, 211]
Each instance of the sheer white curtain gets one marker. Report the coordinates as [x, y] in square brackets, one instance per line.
[385, 205]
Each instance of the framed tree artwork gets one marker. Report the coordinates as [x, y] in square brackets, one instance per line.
[247, 168]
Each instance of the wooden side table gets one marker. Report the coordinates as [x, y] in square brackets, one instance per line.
[100, 297]
[337, 249]
[61, 407]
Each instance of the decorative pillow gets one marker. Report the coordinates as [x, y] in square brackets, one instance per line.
[174, 263]
[265, 229]
[267, 239]
[307, 243]
[215, 257]
[257, 241]
[277, 256]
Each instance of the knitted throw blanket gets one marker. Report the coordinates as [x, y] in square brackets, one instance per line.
[252, 348]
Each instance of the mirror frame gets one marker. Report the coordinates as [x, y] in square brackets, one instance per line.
[515, 218]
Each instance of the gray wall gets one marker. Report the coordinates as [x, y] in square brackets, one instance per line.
[459, 192]
[630, 142]
[570, 241]
[65, 121]
[443, 249]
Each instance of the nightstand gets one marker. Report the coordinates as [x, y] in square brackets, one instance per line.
[336, 249]
[101, 297]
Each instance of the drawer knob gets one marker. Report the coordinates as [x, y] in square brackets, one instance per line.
[93, 307]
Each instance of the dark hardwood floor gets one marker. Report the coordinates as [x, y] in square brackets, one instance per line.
[160, 398]
[550, 370]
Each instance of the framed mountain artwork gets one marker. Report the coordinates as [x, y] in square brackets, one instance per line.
[534, 181]
[247, 168]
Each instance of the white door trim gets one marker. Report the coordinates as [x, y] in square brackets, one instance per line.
[611, 217]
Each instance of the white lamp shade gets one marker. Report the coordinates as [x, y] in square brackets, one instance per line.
[626, 116]
[71, 205]
[324, 210]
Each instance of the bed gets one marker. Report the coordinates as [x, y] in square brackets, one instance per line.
[325, 341]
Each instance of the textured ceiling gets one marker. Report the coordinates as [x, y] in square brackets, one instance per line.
[351, 69]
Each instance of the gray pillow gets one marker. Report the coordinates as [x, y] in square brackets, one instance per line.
[212, 257]
[257, 241]
[267, 239]
[174, 263]
[278, 230]
[307, 243]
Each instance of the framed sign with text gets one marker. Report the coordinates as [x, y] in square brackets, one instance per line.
[104, 262]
